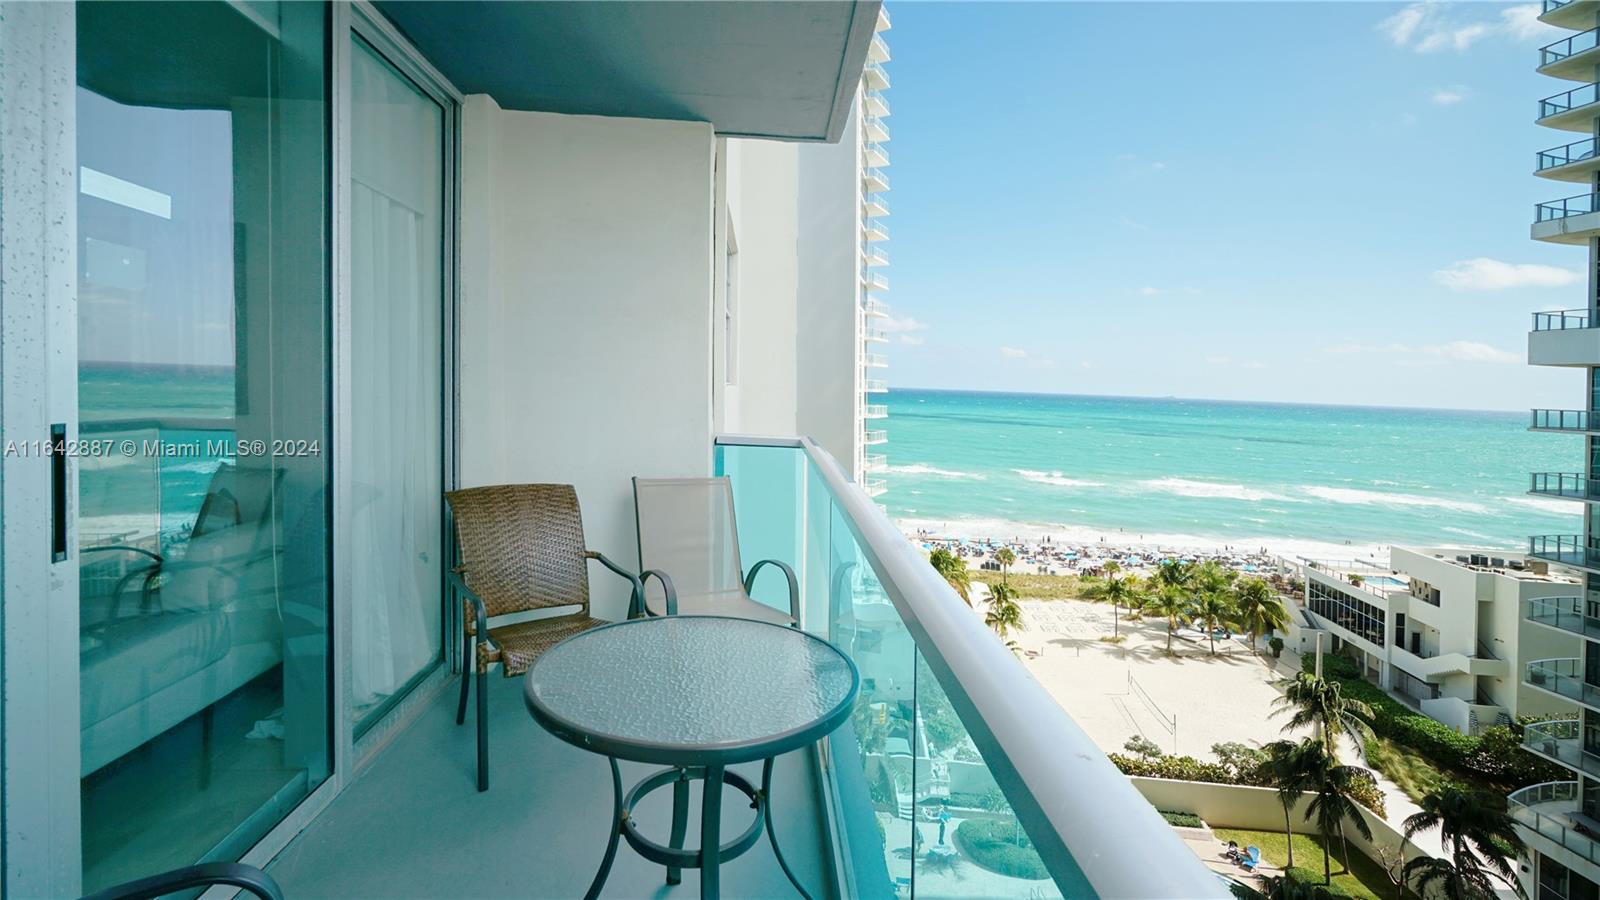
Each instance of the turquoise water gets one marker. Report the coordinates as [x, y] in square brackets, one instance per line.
[1221, 470]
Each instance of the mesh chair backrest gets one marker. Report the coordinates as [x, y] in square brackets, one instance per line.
[522, 546]
[686, 529]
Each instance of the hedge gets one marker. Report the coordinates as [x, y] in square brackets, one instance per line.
[1181, 819]
[1299, 875]
[993, 845]
[1495, 757]
[1187, 768]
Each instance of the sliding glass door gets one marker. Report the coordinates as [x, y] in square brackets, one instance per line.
[203, 381]
[398, 257]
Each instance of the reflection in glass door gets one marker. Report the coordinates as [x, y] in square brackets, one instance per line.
[203, 593]
[396, 422]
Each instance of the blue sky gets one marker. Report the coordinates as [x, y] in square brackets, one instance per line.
[1315, 202]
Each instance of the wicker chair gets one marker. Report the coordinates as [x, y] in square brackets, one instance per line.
[521, 549]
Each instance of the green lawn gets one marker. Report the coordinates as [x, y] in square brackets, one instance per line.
[1366, 881]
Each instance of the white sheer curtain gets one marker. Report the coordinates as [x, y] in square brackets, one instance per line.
[396, 414]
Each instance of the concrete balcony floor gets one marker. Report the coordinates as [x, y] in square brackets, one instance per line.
[413, 824]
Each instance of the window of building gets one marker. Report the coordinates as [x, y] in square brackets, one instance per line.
[1348, 612]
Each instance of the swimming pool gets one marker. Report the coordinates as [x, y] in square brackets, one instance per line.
[1385, 581]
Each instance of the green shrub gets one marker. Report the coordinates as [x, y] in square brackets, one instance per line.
[1307, 878]
[1187, 768]
[1181, 819]
[1000, 846]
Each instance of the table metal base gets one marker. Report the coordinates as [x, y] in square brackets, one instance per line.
[673, 855]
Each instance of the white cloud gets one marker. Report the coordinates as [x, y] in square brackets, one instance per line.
[1218, 360]
[1253, 365]
[1013, 353]
[1485, 274]
[899, 326]
[1085, 364]
[1429, 27]
[1449, 96]
[911, 340]
[1454, 351]
[1149, 291]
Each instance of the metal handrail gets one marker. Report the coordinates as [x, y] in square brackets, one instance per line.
[1569, 100]
[876, 225]
[1561, 320]
[1577, 151]
[1563, 484]
[1557, 828]
[1565, 613]
[1572, 46]
[1566, 207]
[1551, 5]
[1045, 764]
[875, 360]
[1564, 676]
[1561, 419]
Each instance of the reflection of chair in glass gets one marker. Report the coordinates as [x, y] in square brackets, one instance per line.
[248, 879]
[521, 550]
[206, 622]
[686, 529]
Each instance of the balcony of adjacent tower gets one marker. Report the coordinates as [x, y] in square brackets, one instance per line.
[1564, 678]
[875, 77]
[1574, 14]
[1551, 812]
[1575, 162]
[876, 129]
[874, 361]
[1565, 485]
[1572, 58]
[875, 308]
[1560, 742]
[874, 437]
[874, 155]
[875, 230]
[1566, 614]
[875, 386]
[1573, 110]
[871, 335]
[875, 256]
[1570, 220]
[874, 281]
[876, 104]
[1564, 421]
[1564, 549]
[1565, 337]
[874, 181]
[874, 206]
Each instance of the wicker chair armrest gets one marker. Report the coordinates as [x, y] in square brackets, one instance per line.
[480, 612]
[239, 875]
[666, 585]
[636, 598]
[788, 573]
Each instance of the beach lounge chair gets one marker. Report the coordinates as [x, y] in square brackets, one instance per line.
[1252, 859]
[687, 529]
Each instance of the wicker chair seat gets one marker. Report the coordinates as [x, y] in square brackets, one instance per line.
[516, 646]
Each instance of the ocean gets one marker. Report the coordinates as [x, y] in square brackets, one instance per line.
[1314, 480]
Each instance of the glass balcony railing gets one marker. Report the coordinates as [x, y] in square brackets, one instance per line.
[1566, 613]
[1566, 207]
[1572, 46]
[876, 229]
[1566, 154]
[877, 180]
[1561, 740]
[1546, 809]
[1561, 419]
[874, 281]
[948, 725]
[871, 438]
[874, 361]
[876, 462]
[875, 386]
[1567, 549]
[1574, 485]
[1568, 100]
[1561, 320]
[1551, 5]
[874, 335]
[872, 306]
[875, 411]
[1564, 677]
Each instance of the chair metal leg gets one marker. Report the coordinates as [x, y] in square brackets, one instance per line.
[617, 814]
[483, 731]
[711, 835]
[467, 665]
[772, 833]
[680, 821]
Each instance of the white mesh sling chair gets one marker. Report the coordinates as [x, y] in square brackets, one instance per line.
[686, 529]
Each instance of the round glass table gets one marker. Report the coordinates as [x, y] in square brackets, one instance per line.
[696, 694]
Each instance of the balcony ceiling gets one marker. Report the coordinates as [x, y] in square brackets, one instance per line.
[779, 70]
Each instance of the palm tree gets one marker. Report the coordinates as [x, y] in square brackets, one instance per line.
[1210, 577]
[1332, 787]
[1259, 609]
[1320, 702]
[1475, 827]
[1285, 770]
[1172, 604]
[1213, 609]
[1172, 573]
[1119, 592]
[1006, 559]
[1004, 614]
[953, 569]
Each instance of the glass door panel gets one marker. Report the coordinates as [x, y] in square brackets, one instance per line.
[396, 426]
[203, 367]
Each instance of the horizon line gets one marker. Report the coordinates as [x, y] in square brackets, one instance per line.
[1466, 409]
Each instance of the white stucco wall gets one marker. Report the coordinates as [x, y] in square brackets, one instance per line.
[763, 202]
[585, 310]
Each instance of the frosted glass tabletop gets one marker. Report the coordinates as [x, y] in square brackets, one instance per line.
[691, 690]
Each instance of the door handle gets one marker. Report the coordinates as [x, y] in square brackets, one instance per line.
[58, 492]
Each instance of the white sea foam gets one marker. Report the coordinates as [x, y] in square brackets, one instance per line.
[934, 471]
[1475, 535]
[981, 527]
[1545, 504]
[1056, 478]
[1359, 497]
[1215, 490]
